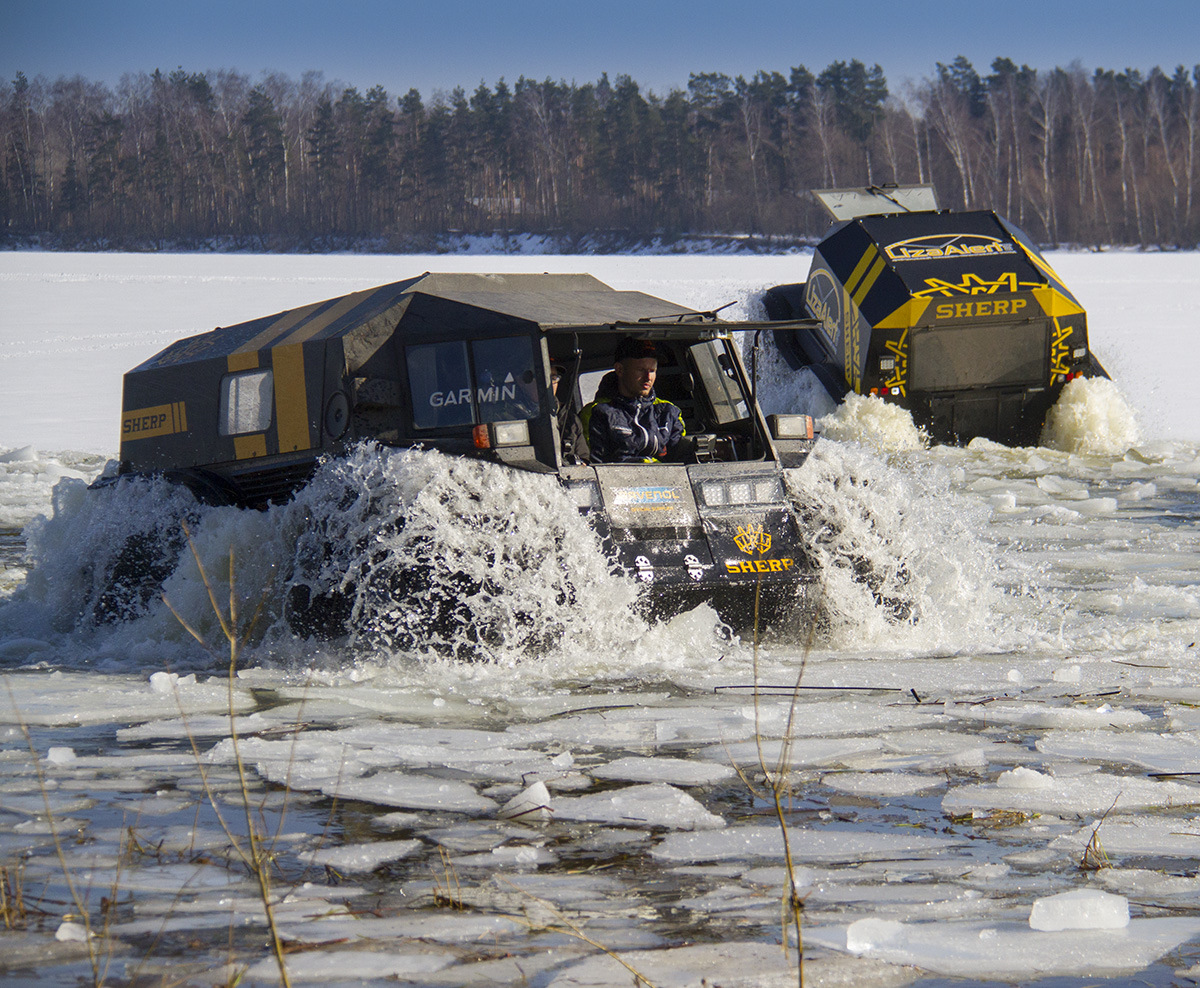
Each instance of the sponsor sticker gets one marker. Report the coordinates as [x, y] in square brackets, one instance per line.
[941, 246]
[160, 420]
[647, 498]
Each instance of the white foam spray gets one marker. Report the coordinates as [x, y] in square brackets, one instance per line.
[898, 553]
[1091, 416]
[870, 419]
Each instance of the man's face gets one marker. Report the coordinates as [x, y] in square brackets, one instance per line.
[635, 376]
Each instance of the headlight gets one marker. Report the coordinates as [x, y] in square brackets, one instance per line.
[494, 434]
[791, 426]
[740, 492]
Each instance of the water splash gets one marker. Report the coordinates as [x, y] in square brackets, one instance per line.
[424, 555]
[427, 551]
[870, 419]
[1091, 416]
[899, 556]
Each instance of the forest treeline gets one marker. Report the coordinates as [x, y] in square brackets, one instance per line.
[188, 158]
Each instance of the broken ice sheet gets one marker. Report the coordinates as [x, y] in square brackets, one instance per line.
[1089, 794]
[1008, 950]
[65, 698]
[1179, 752]
[653, 805]
[347, 858]
[354, 966]
[675, 771]
[734, 843]
[884, 784]
[801, 753]
[1162, 836]
[1045, 715]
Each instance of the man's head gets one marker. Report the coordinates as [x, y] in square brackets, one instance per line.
[557, 372]
[636, 364]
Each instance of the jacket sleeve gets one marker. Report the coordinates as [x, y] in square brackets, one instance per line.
[596, 431]
[674, 425]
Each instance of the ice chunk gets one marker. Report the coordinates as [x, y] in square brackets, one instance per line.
[1156, 752]
[71, 933]
[1080, 909]
[1024, 778]
[881, 783]
[676, 771]
[60, 755]
[808, 845]
[509, 856]
[868, 934]
[655, 805]
[531, 805]
[1010, 951]
[363, 857]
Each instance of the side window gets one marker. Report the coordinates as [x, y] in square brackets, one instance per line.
[246, 401]
[440, 380]
[506, 379]
[498, 382]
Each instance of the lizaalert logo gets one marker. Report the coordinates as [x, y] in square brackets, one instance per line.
[939, 246]
[160, 420]
[754, 538]
[823, 297]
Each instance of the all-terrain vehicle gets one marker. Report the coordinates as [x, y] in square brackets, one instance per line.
[462, 364]
[953, 315]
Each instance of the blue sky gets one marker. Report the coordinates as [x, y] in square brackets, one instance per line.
[438, 44]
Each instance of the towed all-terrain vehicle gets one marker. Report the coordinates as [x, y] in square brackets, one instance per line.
[463, 364]
[953, 315]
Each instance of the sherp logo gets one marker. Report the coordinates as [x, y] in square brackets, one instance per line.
[751, 537]
[942, 246]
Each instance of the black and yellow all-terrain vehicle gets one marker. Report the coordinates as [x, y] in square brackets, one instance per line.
[461, 363]
[953, 315]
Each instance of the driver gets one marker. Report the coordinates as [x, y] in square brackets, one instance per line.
[632, 425]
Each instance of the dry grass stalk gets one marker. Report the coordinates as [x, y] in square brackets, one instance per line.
[776, 779]
[564, 924]
[257, 858]
[99, 964]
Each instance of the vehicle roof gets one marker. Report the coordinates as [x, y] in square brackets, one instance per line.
[549, 300]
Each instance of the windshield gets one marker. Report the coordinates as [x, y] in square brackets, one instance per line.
[718, 377]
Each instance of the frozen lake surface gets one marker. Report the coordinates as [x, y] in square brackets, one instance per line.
[1001, 784]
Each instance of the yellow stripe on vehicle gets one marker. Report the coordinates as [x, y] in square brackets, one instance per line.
[860, 268]
[322, 320]
[241, 362]
[1054, 303]
[248, 447]
[905, 315]
[291, 397]
[284, 324]
[861, 292]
